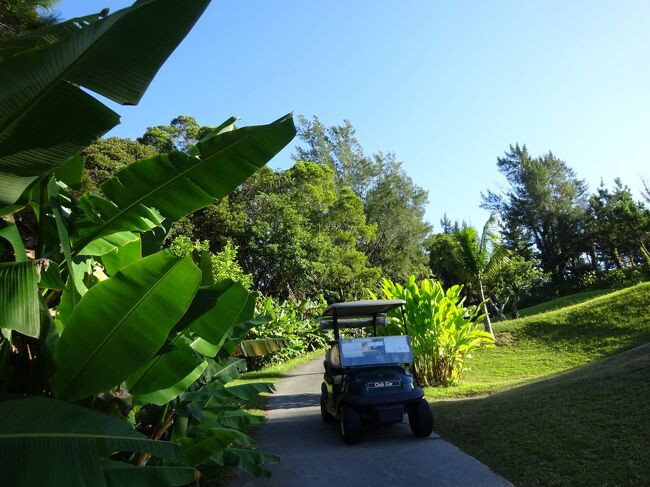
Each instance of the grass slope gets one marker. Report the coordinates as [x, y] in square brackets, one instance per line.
[562, 302]
[536, 346]
[571, 420]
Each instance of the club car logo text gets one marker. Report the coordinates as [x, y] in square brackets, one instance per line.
[383, 383]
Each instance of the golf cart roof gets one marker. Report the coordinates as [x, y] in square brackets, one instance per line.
[362, 308]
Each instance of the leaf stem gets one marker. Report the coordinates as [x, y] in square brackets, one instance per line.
[40, 246]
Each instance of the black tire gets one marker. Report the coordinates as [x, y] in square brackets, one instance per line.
[327, 417]
[420, 419]
[350, 424]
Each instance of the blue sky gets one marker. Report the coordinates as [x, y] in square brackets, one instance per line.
[446, 86]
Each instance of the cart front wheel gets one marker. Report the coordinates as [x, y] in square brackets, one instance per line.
[420, 419]
[350, 424]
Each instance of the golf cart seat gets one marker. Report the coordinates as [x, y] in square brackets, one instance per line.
[333, 363]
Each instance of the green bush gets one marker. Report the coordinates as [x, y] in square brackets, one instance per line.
[296, 322]
[443, 331]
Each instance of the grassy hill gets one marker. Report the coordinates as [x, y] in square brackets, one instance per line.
[562, 302]
[564, 400]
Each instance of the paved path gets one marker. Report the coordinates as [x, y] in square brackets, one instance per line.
[314, 455]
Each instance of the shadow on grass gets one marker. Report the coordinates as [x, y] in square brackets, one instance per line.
[585, 427]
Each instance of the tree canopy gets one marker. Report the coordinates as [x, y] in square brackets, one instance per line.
[392, 201]
[22, 16]
[542, 209]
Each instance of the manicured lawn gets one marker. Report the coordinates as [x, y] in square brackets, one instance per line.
[562, 302]
[531, 412]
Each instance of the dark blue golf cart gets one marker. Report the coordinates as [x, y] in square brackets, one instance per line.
[366, 378]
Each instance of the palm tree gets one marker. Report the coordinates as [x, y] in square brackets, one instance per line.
[477, 258]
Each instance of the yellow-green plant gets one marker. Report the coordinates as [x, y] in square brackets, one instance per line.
[443, 331]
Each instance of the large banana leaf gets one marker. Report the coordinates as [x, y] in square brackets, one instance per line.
[178, 184]
[120, 474]
[121, 323]
[40, 78]
[19, 297]
[163, 396]
[198, 450]
[122, 256]
[262, 346]
[232, 304]
[165, 370]
[213, 312]
[53, 443]
[250, 461]
[12, 235]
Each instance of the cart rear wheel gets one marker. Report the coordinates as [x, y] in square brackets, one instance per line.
[350, 424]
[327, 417]
[420, 419]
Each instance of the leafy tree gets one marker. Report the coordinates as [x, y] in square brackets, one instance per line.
[297, 235]
[22, 16]
[104, 158]
[181, 133]
[440, 248]
[338, 148]
[543, 209]
[619, 227]
[509, 282]
[477, 258]
[645, 193]
[392, 202]
[396, 206]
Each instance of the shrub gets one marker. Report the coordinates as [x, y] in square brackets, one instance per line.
[296, 322]
[443, 331]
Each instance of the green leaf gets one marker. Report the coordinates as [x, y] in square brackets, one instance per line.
[122, 256]
[53, 443]
[246, 392]
[165, 370]
[237, 419]
[231, 304]
[120, 474]
[198, 450]
[19, 297]
[24, 158]
[71, 172]
[116, 56]
[178, 184]
[109, 243]
[12, 234]
[163, 396]
[55, 205]
[250, 461]
[51, 277]
[262, 346]
[226, 370]
[121, 323]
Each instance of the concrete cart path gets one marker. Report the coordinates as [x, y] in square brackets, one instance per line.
[313, 453]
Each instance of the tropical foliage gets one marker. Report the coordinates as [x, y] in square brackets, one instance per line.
[443, 331]
[293, 322]
[113, 355]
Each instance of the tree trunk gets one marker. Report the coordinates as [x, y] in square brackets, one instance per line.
[617, 258]
[488, 324]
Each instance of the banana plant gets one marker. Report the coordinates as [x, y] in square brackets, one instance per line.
[444, 332]
[96, 331]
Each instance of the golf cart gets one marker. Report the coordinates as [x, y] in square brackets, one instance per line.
[366, 379]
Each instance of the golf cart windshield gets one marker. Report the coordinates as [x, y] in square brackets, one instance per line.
[375, 351]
